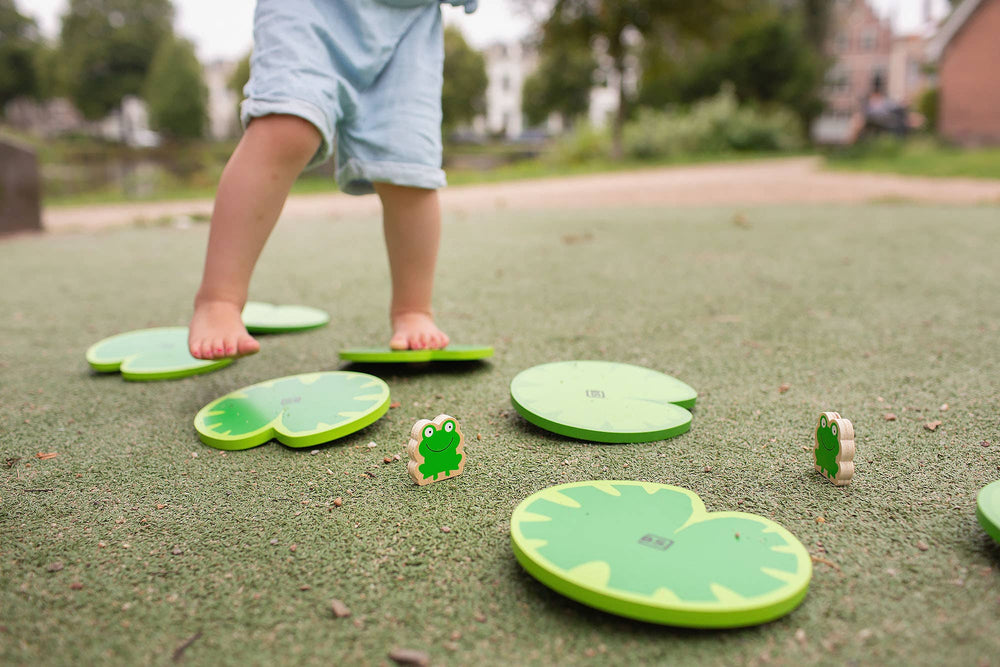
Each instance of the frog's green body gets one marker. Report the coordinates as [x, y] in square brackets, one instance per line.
[827, 448]
[834, 449]
[436, 450]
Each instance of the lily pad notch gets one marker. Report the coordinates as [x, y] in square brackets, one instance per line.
[299, 410]
[652, 552]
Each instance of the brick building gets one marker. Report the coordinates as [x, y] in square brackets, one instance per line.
[860, 47]
[967, 49]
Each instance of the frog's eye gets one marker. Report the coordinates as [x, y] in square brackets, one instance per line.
[428, 431]
[822, 421]
[449, 426]
[835, 429]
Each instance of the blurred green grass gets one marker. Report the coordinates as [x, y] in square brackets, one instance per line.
[864, 310]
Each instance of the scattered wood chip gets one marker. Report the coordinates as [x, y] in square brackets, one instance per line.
[445, 529]
[177, 551]
[784, 387]
[47, 455]
[944, 407]
[314, 452]
[339, 609]
[160, 506]
[708, 468]
[293, 548]
[54, 567]
[409, 656]
[820, 519]
[824, 561]
[890, 417]
[305, 587]
[273, 542]
[480, 617]
[456, 635]
[932, 426]
[338, 501]
[76, 586]
[179, 651]
[923, 546]
[387, 459]
[985, 443]
[396, 457]
[372, 444]
[395, 404]
[479, 436]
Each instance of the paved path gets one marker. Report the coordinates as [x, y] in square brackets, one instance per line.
[780, 181]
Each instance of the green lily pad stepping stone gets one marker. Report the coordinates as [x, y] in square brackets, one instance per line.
[299, 410]
[652, 552]
[384, 355]
[267, 318]
[988, 509]
[603, 401]
[150, 354]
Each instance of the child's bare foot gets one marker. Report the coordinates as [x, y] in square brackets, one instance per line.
[217, 332]
[416, 331]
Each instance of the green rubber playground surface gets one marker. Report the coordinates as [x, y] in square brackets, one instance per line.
[652, 552]
[137, 542]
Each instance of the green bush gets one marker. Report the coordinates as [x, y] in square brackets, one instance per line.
[585, 143]
[929, 105]
[714, 125]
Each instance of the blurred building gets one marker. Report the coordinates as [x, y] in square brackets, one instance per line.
[507, 66]
[223, 103]
[860, 47]
[967, 48]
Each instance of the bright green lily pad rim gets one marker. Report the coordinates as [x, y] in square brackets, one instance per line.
[126, 364]
[547, 407]
[753, 611]
[384, 355]
[988, 509]
[259, 317]
[274, 429]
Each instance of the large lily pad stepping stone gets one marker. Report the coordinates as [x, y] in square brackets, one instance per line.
[299, 410]
[603, 401]
[652, 552]
[267, 318]
[988, 509]
[384, 355]
[150, 354]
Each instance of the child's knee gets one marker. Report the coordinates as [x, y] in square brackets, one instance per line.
[288, 138]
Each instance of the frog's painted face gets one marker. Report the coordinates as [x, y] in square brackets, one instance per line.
[828, 428]
[440, 440]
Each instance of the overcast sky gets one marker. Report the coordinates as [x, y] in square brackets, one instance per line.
[222, 28]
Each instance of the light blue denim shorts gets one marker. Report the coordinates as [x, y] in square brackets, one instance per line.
[366, 73]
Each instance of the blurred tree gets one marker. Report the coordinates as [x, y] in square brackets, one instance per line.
[19, 47]
[241, 74]
[107, 47]
[463, 94]
[175, 91]
[767, 59]
[773, 54]
[561, 84]
[617, 22]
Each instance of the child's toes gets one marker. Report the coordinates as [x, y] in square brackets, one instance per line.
[246, 345]
[399, 342]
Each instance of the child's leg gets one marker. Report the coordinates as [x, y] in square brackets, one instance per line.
[251, 194]
[412, 223]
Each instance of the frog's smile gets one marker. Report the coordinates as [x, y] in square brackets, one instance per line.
[450, 442]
